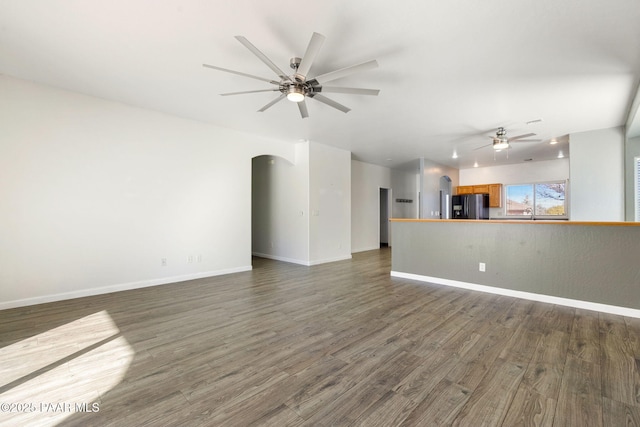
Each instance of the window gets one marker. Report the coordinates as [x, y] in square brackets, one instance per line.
[544, 200]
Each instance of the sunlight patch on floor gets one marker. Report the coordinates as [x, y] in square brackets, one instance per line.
[49, 377]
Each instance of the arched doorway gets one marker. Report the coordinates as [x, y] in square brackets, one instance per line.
[279, 219]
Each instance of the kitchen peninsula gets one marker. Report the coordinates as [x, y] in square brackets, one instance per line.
[592, 265]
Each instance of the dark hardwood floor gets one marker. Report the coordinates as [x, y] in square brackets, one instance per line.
[335, 344]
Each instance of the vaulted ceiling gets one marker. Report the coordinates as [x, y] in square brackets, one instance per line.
[450, 72]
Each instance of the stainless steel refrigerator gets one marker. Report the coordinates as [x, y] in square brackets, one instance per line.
[470, 206]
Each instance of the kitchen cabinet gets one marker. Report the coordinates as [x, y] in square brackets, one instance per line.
[481, 189]
[464, 189]
[494, 191]
[495, 195]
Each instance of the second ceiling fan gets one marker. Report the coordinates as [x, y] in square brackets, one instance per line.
[298, 86]
[502, 142]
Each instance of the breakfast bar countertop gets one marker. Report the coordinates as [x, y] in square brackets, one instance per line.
[525, 221]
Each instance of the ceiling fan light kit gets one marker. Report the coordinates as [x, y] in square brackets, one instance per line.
[295, 94]
[501, 142]
[298, 87]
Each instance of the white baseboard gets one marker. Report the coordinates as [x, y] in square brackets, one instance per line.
[4, 305]
[299, 261]
[594, 306]
[326, 260]
[281, 258]
[365, 249]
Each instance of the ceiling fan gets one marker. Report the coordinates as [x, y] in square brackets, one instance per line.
[502, 142]
[298, 86]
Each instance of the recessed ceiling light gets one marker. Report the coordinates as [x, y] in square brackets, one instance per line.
[553, 141]
[475, 165]
[455, 155]
[560, 155]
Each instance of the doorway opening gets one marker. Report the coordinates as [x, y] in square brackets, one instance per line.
[279, 228]
[385, 212]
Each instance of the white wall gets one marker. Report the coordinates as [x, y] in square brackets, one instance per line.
[521, 173]
[632, 150]
[329, 204]
[93, 194]
[431, 186]
[302, 210]
[280, 207]
[405, 186]
[366, 181]
[597, 175]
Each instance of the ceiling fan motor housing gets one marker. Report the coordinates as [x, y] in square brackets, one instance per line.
[306, 88]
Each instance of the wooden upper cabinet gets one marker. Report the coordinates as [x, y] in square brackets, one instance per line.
[464, 189]
[494, 191]
[495, 195]
[481, 189]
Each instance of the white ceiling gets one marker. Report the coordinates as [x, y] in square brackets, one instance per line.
[450, 72]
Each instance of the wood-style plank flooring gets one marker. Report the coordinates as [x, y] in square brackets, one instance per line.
[335, 344]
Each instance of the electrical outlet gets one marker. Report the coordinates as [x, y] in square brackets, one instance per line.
[482, 267]
[190, 259]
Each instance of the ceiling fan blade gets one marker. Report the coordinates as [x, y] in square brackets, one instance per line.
[302, 106]
[262, 57]
[278, 99]
[331, 103]
[526, 135]
[309, 56]
[343, 72]
[526, 140]
[249, 91]
[351, 90]
[484, 146]
[241, 74]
